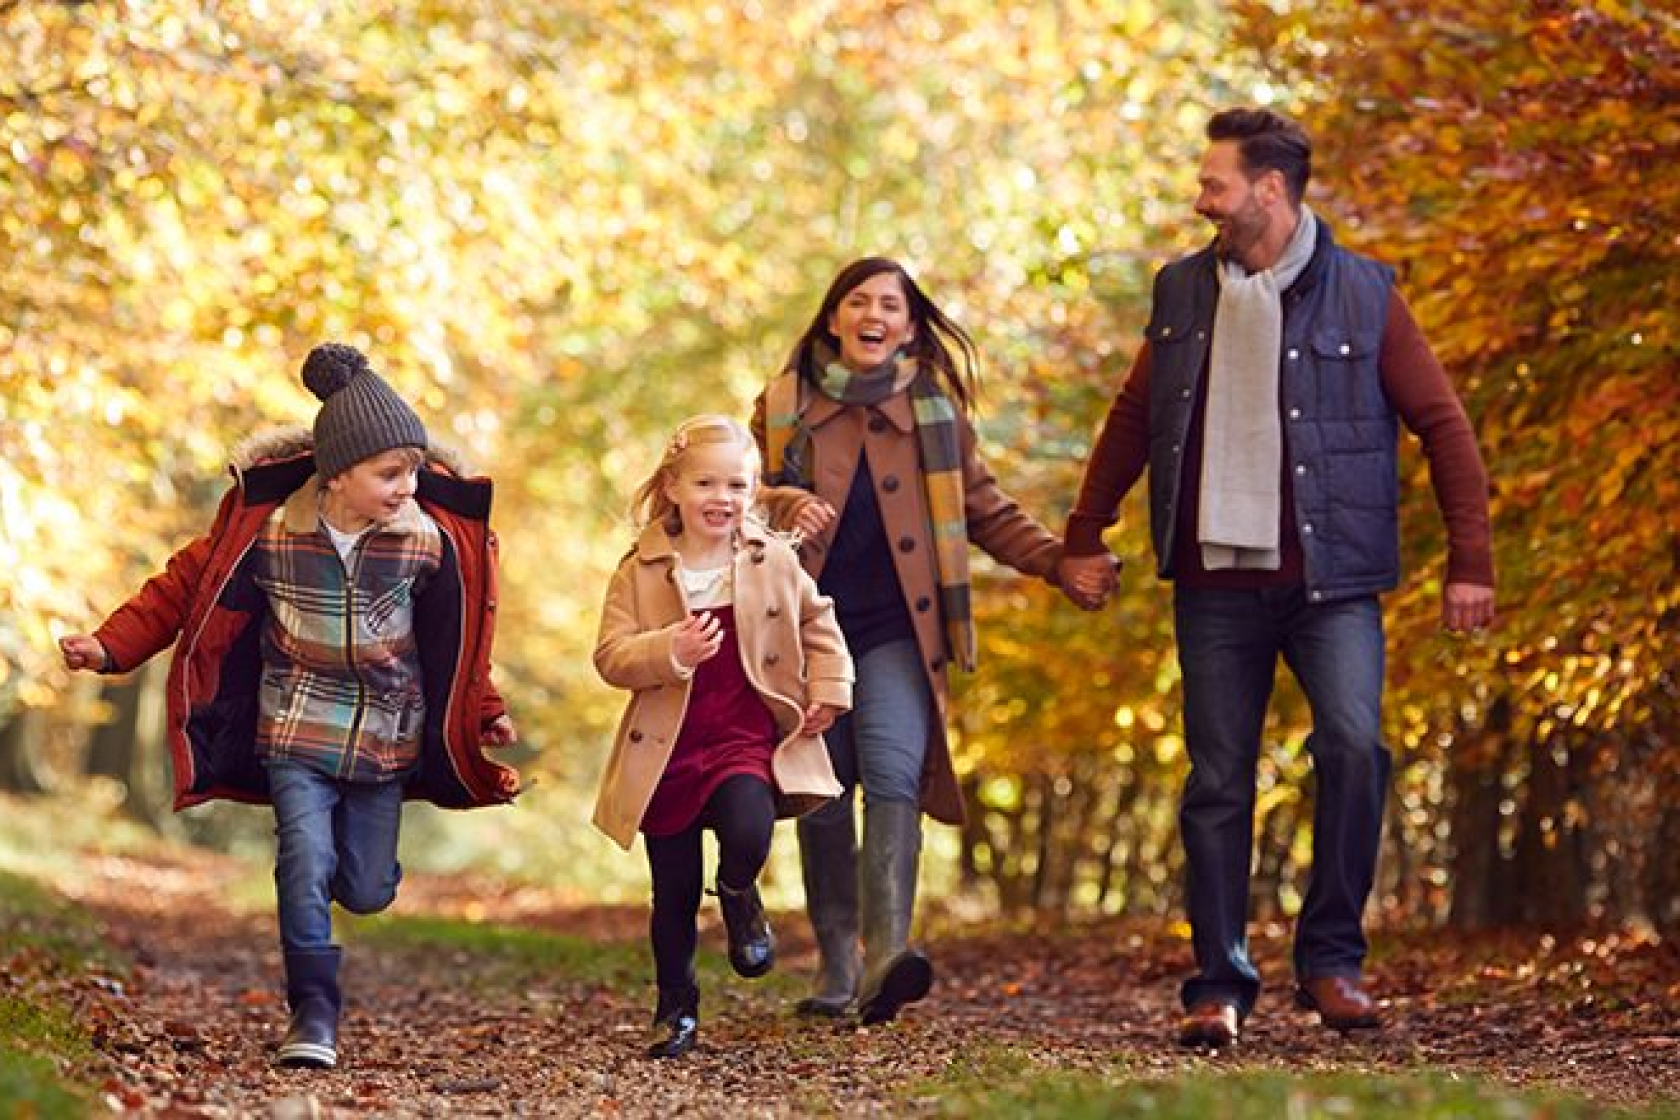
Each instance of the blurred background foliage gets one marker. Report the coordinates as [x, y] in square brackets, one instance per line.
[559, 229]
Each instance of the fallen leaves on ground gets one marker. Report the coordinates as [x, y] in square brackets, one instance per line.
[189, 1028]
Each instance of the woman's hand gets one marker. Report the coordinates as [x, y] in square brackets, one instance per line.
[813, 517]
[1089, 580]
[696, 638]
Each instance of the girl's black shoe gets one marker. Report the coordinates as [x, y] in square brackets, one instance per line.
[676, 1023]
[752, 950]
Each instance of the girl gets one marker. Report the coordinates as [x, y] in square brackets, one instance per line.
[736, 667]
[868, 431]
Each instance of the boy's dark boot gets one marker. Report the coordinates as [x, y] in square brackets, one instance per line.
[313, 995]
[752, 950]
[893, 973]
[676, 1022]
[828, 861]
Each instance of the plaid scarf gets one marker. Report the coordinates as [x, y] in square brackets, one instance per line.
[788, 444]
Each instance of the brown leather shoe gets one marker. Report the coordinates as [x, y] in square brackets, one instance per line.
[1209, 1023]
[1341, 1002]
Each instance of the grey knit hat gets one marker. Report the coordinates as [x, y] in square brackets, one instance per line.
[360, 415]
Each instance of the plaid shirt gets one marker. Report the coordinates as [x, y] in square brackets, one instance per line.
[340, 688]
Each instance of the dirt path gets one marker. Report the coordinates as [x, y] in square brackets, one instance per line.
[427, 1033]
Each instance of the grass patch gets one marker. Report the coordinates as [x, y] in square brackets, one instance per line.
[1003, 1081]
[508, 956]
[44, 939]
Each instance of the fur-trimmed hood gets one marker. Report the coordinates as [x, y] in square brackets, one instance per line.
[273, 444]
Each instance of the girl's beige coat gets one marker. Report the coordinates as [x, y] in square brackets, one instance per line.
[791, 649]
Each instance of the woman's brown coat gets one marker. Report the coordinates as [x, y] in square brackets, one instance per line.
[791, 649]
[840, 436]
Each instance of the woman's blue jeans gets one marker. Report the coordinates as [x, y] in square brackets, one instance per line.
[1229, 643]
[882, 742]
[336, 841]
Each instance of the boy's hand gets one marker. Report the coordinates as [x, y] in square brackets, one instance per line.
[696, 638]
[83, 652]
[500, 733]
[819, 718]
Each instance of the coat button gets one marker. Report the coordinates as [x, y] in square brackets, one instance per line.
[772, 658]
[890, 484]
[635, 736]
[1294, 354]
[907, 544]
[1300, 468]
[1344, 349]
[877, 423]
[1294, 414]
[923, 604]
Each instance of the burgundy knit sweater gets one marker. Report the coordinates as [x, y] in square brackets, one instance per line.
[1418, 388]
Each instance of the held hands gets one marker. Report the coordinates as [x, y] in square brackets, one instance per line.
[500, 732]
[82, 652]
[819, 718]
[1089, 580]
[1466, 607]
[696, 638]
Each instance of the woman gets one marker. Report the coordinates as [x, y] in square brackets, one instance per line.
[870, 452]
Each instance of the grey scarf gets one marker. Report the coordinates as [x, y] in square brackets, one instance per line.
[1242, 440]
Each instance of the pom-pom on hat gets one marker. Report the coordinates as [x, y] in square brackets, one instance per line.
[360, 415]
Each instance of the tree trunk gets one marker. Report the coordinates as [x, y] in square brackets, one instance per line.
[131, 748]
[1481, 895]
[1549, 863]
[21, 768]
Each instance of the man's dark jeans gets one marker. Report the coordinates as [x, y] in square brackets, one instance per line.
[1228, 646]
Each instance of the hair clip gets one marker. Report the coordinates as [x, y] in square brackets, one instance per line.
[678, 444]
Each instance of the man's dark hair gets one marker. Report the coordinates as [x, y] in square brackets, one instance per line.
[1268, 141]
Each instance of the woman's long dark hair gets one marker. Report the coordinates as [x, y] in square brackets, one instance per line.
[939, 343]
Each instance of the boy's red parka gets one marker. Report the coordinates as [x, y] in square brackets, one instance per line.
[205, 601]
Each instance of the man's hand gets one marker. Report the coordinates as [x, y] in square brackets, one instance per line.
[1466, 607]
[1089, 580]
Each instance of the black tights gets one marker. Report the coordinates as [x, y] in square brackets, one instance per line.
[741, 812]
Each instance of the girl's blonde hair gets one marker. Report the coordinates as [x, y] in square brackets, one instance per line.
[650, 503]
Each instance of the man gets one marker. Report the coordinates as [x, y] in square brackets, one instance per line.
[1264, 403]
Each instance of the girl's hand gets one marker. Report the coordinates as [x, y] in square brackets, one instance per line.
[82, 652]
[814, 516]
[696, 638]
[819, 718]
[500, 733]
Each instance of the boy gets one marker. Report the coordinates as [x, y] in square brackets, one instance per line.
[335, 628]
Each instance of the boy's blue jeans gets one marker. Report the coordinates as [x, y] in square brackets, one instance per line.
[1228, 646]
[336, 841]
